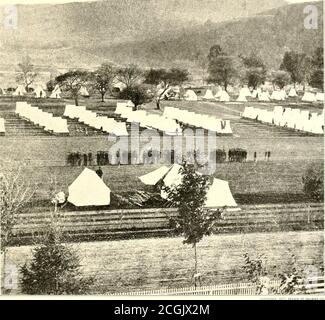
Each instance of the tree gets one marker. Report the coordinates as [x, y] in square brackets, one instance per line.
[26, 75]
[255, 71]
[102, 79]
[54, 268]
[72, 82]
[222, 69]
[194, 221]
[162, 79]
[297, 65]
[136, 94]
[130, 75]
[280, 78]
[14, 196]
[313, 182]
[317, 69]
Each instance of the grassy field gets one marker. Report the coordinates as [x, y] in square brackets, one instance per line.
[131, 265]
[248, 179]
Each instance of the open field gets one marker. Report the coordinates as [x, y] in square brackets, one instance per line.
[132, 265]
[246, 180]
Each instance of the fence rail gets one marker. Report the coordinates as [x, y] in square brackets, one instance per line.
[314, 286]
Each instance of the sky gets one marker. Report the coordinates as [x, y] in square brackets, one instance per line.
[5, 2]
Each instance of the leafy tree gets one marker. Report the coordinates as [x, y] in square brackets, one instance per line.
[194, 221]
[222, 69]
[214, 53]
[54, 268]
[162, 79]
[50, 85]
[280, 78]
[14, 196]
[102, 79]
[26, 74]
[136, 94]
[317, 65]
[72, 82]
[313, 182]
[297, 65]
[130, 75]
[255, 71]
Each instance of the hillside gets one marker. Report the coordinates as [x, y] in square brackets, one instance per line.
[269, 34]
[83, 34]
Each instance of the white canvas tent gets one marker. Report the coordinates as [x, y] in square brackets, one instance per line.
[309, 97]
[2, 126]
[84, 92]
[245, 92]
[241, 98]
[89, 190]
[56, 93]
[20, 91]
[264, 96]
[224, 96]
[40, 92]
[292, 93]
[277, 95]
[208, 95]
[320, 96]
[190, 95]
[218, 195]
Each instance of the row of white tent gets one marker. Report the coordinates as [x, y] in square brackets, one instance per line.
[218, 195]
[148, 120]
[297, 119]
[221, 95]
[2, 125]
[261, 95]
[108, 125]
[204, 121]
[41, 118]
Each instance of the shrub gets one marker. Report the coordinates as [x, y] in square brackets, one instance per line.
[313, 182]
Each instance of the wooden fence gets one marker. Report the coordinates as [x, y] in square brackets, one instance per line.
[314, 286]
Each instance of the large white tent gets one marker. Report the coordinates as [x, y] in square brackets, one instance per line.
[190, 95]
[218, 195]
[264, 96]
[2, 126]
[89, 190]
[56, 93]
[224, 96]
[245, 92]
[20, 91]
[84, 92]
[320, 96]
[278, 95]
[292, 93]
[208, 95]
[309, 97]
[40, 92]
[241, 98]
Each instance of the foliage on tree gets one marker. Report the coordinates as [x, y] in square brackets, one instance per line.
[72, 82]
[14, 196]
[313, 182]
[50, 85]
[102, 79]
[254, 71]
[259, 274]
[54, 268]
[194, 221]
[162, 79]
[222, 68]
[280, 78]
[137, 94]
[26, 74]
[130, 75]
[316, 78]
[297, 65]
